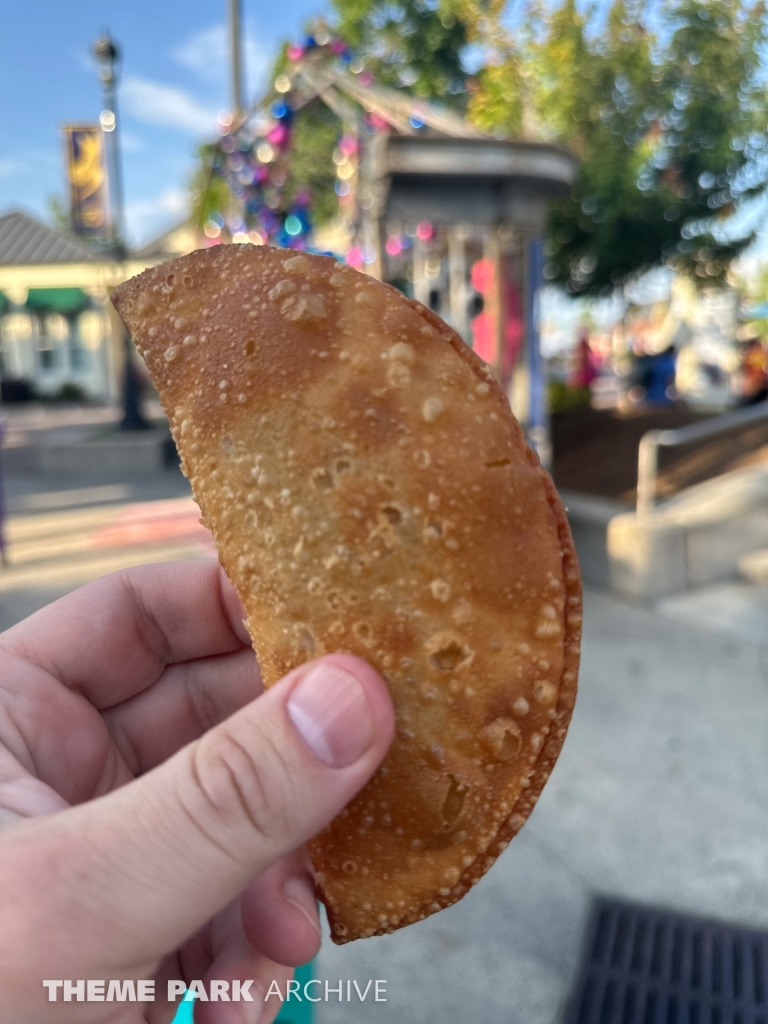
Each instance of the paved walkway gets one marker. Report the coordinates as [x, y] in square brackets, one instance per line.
[61, 537]
[661, 794]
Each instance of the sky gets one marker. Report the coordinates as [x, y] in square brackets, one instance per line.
[174, 81]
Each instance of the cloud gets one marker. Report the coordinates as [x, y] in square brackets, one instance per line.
[206, 53]
[10, 165]
[144, 217]
[167, 105]
[131, 143]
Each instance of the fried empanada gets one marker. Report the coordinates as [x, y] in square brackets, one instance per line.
[370, 491]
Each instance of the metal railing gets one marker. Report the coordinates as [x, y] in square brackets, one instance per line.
[648, 451]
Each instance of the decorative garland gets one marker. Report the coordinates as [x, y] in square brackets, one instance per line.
[253, 160]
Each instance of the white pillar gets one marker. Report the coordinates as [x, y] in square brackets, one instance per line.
[457, 279]
[420, 279]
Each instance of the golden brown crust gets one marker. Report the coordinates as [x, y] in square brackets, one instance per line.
[369, 490]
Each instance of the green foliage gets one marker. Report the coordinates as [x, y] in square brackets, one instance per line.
[598, 98]
[414, 45]
[561, 398]
[208, 192]
[496, 102]
[58, 214]
[714, 151]
[69, 391]
[669, 126]
[315, 134]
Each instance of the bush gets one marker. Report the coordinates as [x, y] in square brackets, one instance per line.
[561, 398]
[70, 392]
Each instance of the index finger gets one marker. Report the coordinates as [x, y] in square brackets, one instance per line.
[114, 637]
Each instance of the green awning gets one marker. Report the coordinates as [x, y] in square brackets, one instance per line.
[57, 300]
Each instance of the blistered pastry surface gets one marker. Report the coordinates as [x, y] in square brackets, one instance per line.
[369, 491]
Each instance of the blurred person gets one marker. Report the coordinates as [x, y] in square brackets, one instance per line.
[751, 379]
[586, 363]
[655, 378]
[155, 801]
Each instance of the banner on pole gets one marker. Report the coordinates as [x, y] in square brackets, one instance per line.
[87, 178]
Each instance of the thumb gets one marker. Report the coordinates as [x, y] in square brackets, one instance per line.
[166, 852]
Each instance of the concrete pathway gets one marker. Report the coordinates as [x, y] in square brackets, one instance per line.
[60, 538]
[734, 607]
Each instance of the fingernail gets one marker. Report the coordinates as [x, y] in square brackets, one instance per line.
[332, 715]
[300, 893]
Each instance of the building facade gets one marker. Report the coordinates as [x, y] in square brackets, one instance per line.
[58, 332]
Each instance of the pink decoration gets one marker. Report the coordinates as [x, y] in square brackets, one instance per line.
[393, 246]
[278, 135]
[295, 52]
[378, 122]
[348, 144]
[365, 78]
[354, 257]
[483, 276]
[424, 230]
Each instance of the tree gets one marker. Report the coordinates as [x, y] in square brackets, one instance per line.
[668, 125]
[416, 45]
[58, 215]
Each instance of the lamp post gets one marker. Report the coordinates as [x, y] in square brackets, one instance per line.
[236, 56]
[107, 57]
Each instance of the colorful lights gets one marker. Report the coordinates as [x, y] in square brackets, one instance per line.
[253, 159]
[224, 122]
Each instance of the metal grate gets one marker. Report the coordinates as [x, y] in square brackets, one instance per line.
[648, 966]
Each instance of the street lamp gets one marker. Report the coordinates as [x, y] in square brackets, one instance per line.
[108, 61]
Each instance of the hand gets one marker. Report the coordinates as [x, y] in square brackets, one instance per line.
[154, 804]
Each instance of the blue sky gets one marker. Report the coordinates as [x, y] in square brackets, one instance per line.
[174, 82]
